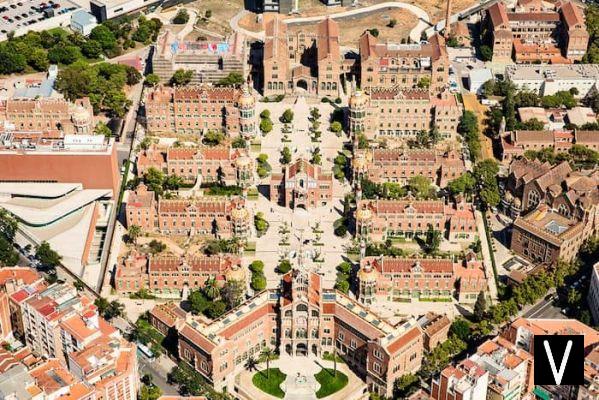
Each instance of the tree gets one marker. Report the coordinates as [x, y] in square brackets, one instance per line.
[8, 255]
[173, 182]
[198, 303]
[285, 155]
[104, 37]
[133, 233]
[336, 127]
[257, 267]
[154, 180]
[251, 363]
[424, 82]
[404, 386]
[260, 223]
[92, 49]
[258, 282]
[392, 23]
[316, 156]
[61, 54]
[79, 285]
[486, 53]
[342, 286]
[265, 114]
[47, 256]
[208, 14]
[373, 31]
[182, 17]
[39, 60]
[181, 77]
[460, 328]
[232, 293]
[109, 310]
[103, 130]
[156, 246]
[152, 80]
[284, 266]
[215, 309]
[287, 116]
[267, 353]
[433, 240]
[149, 392]
[213, 138]
[464, 184]
[480, 307]
[265, 125]
[420, 186]
[485, 173]
[239, 143]
[233, 79]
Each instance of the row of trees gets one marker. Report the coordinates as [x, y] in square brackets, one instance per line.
[258, 280]
[418, 186]
[213, 301]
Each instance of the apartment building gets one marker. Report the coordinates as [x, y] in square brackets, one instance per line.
[11, 280]
[173, 276]
[536, 32]
[379, 220]
[301, 318]
[593, 296]
[47, 114]
[405, 66]
[498, 370]
[211, 59]
[546, 80]
[301, 184]
[420, 279]
[401, 164]
[198, 109]
[207, 215]
[305, 60]
[223, 163]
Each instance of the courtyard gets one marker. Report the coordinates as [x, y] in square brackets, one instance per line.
[300, 378]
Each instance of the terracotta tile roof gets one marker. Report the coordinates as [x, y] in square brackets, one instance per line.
[407, 338]
[197, 338]
[572, 14]
[498, 14]
[399, 93]
[328, 40]
[7, 361]
[168, 313]
[19, 275]
[404, 206]
[533, 16]
[212, 204]
[213, 264]
[559, 326]
[52, 376]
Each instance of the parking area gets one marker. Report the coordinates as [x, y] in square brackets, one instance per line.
[15, 15]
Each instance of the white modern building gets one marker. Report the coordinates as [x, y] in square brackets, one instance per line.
[549, 79]
[477, 78]
[83, 22]
[593, 297]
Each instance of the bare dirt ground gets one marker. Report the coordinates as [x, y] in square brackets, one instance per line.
[351, 29]
[222, 12]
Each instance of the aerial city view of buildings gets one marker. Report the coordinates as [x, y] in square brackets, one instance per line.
[262, 199]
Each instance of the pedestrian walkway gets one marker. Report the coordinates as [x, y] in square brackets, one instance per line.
[472, 104]
[486, 250]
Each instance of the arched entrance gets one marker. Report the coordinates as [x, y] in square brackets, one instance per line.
[315, 349]
[289, 349]
[302, 85]
[301, 349]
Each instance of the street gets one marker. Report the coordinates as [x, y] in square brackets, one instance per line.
[544, 309]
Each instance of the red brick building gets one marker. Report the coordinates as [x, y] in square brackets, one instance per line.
[399, 165]
[406, 279]
[302, 318]
[536, 31]
[301, 184]
[48, 114]
[390, 65]
[198, 109]
[172, 276]
[232, 166]
[207, 215]
[306, 60]
[399, 113]
[379, 220]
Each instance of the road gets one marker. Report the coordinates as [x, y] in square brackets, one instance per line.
[544, 309]
[424, 20]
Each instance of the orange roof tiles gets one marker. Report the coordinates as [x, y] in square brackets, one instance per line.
[410, 336]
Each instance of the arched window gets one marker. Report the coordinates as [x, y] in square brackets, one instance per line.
[302, 307]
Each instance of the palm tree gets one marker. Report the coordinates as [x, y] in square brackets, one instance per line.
[251, 363]
[210, 288]
[133, 233]
[267, 353]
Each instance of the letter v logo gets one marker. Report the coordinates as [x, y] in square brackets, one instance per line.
[558, 375]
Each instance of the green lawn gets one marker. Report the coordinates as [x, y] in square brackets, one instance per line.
[272, 383]
[329, 383]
